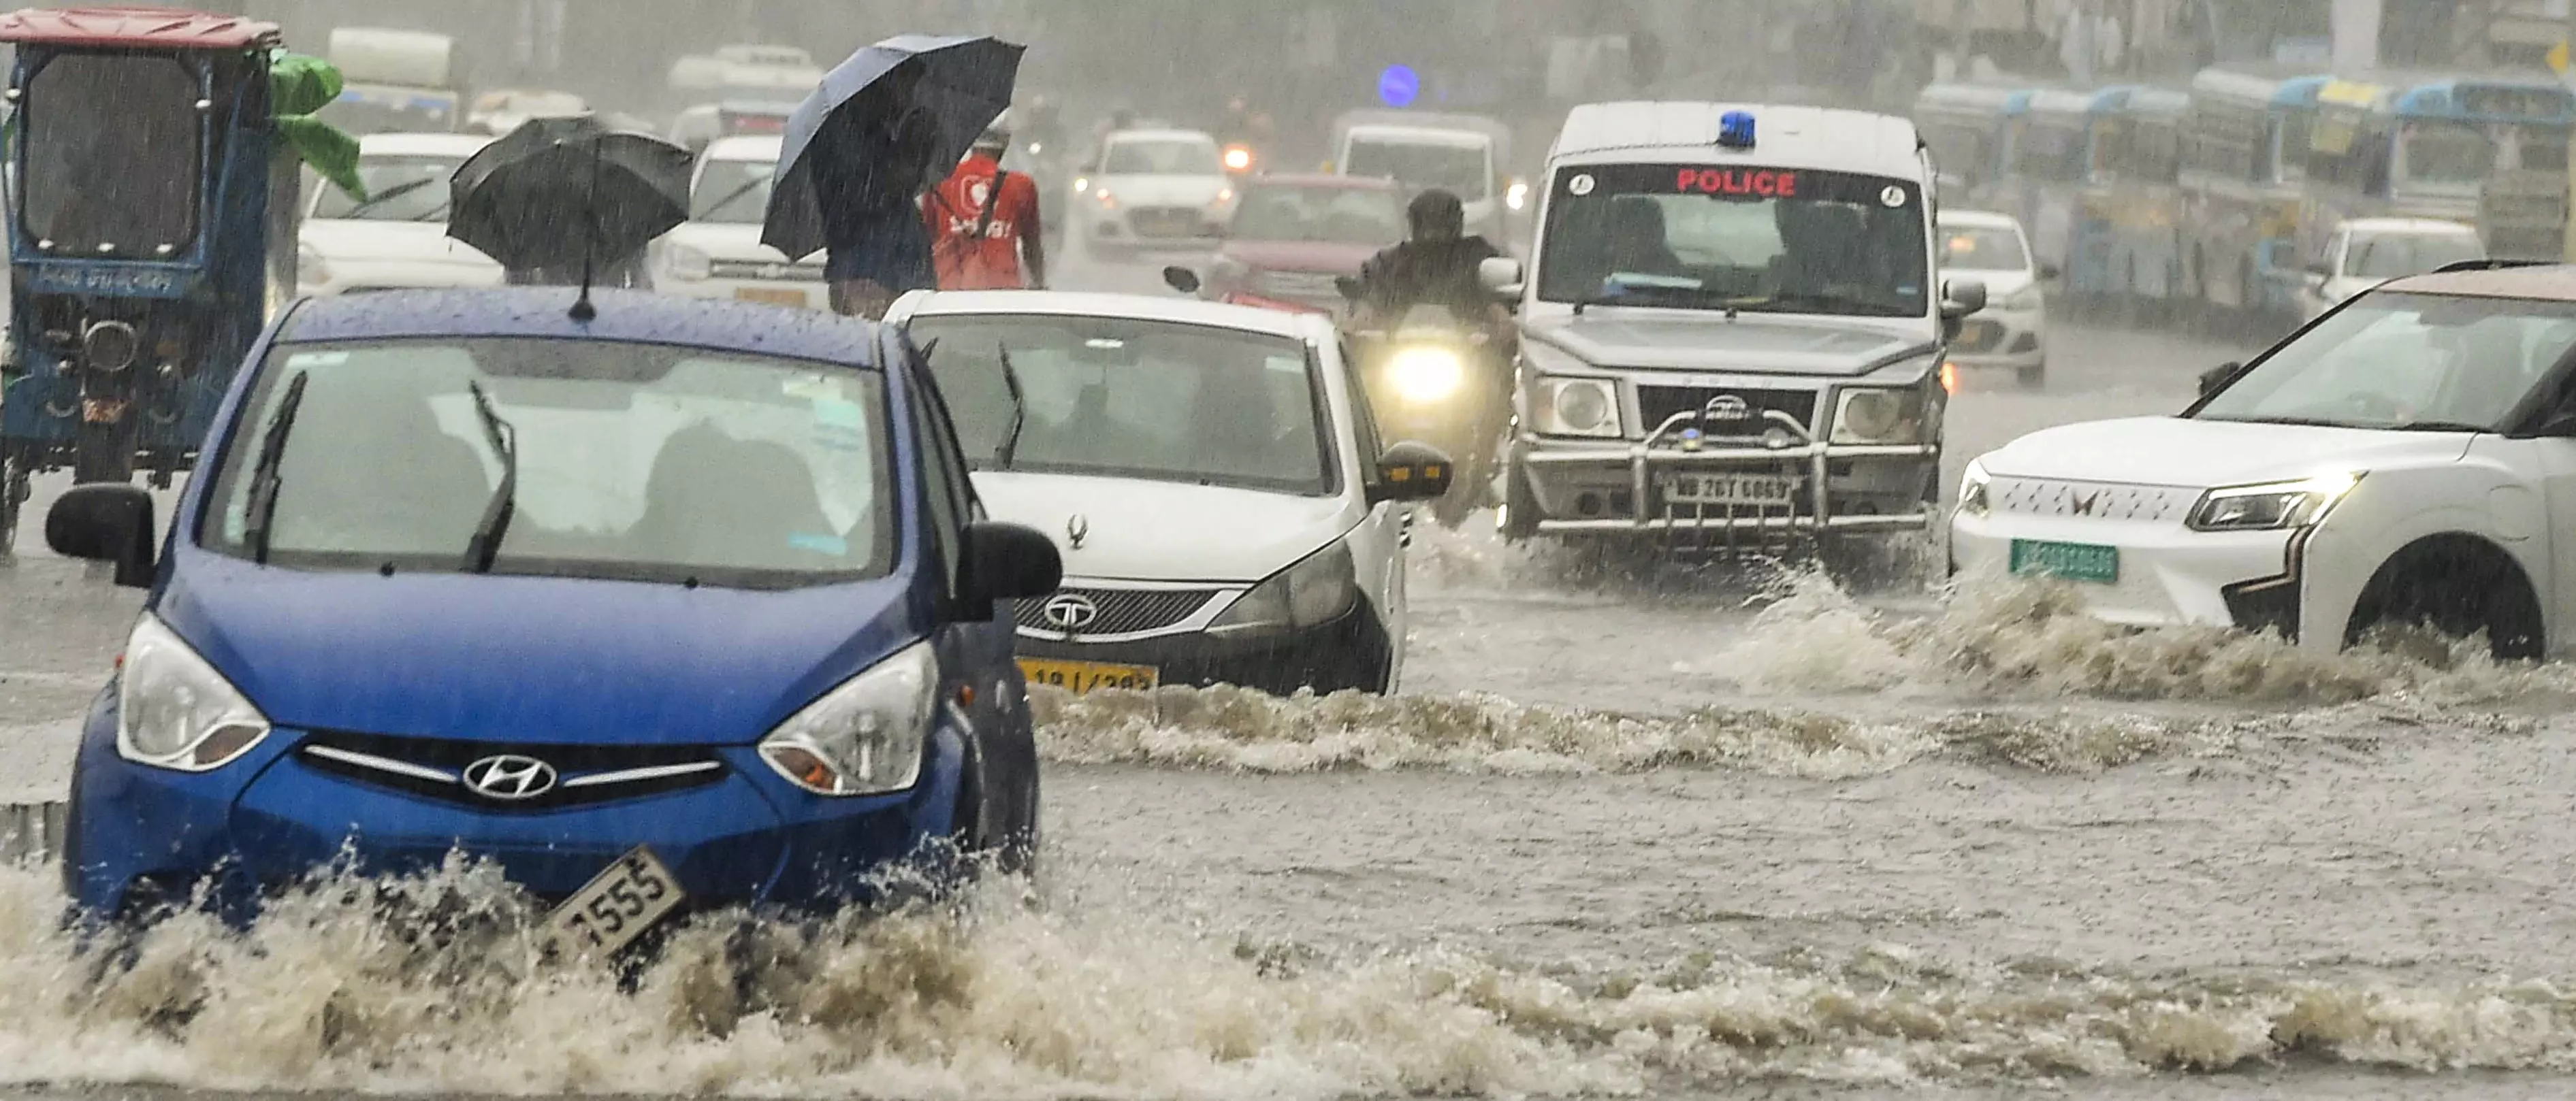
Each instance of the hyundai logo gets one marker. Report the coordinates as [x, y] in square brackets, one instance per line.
[1071, 611]
[510, 778]
[1727, 407]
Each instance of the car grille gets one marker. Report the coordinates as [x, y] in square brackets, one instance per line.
[1113, 611]
[2092, 500]
[1655, 404]
[586, 774]
[767, 272]
[1167, 221]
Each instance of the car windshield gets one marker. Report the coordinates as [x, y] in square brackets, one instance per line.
[1742, 238]
[392, 112]
[732, 192]
[1340, 215]
[2406, 361]
[1135, 399]
[111, 148]
[399, 189]
[636, 462]
[1982, 248]
[1422, 165]
[2389, 256]
[1163, 157]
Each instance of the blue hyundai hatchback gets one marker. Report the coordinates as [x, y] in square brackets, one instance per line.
[689, 604]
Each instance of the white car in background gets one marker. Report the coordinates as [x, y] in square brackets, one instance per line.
[2011, 333]
[396, 238]
[1212, 473]
[2365, 252]
[717, 253]
[2408, 460]
[1153, 189]
[499, 112]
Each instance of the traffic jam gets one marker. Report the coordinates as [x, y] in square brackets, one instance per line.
[867, 587]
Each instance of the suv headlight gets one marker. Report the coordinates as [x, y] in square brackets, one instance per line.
[1576, 407]
[864, 737]
[2271, 506]
[174, 711]
[691, 263]
[1319, 589]
[1881, 415]
[1973, 490]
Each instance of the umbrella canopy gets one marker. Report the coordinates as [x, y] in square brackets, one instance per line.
[884, 121]
[559, 192]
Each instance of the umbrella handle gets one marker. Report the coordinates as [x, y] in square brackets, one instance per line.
[582, 309]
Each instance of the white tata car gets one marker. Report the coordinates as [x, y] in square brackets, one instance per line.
[2011, 333]
[1211, 472]
[717, 253]
[396, 238]
[1153, 189]
[2408, 460]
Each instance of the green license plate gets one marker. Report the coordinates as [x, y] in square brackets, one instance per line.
[2072, 561]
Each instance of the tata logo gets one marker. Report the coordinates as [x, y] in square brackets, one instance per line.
[1725, 408]
[510, 778]
[2083, 506]
[1070, 612]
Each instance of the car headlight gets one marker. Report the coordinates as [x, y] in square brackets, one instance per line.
[174, 711]
[1082, 185]
[2020, 301]
[1973, 488]
[691, 263]
[1517, 195]
[1425, 376]
[1880, 415]
[2271, 506]
[1576, 407]
[864, 737]
[1107, 200]
[1320, 588]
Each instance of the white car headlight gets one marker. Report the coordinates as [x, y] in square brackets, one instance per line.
[1973, 488]
[1517, 196]
[691, 263]
[1576, 407]
[1426, 376]
[1320, 588]
[2272, 506]
[864, 737]
[174, 711]
[1880, 415]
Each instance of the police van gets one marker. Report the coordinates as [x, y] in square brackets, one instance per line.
[1732, 338]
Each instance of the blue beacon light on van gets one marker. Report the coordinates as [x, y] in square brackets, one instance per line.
[1735, 130]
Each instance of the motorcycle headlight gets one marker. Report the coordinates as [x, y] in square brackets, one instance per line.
[1880, 416]
[174, 711]
[1577, 407]
[1426, 376]
[864, 737]
[1973, 489]
[691, 263]
[1319, 589]
[2272, 506]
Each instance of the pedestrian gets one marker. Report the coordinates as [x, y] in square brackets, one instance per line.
[875, 242]
[984, 223]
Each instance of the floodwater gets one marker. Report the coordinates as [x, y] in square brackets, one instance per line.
[1661, 835]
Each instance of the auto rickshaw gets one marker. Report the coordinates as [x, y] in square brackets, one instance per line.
[151, 192]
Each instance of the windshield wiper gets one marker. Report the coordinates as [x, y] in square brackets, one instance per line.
[485, 547]
[264, 481]
[387, 195]
[1019, 410]
[2438, 426]
[730, 196]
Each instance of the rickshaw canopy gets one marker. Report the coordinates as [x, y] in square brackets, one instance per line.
[136, 28]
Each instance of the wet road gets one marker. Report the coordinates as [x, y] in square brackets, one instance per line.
[1612, 840]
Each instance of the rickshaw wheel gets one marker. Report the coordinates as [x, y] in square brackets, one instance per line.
[13, 499]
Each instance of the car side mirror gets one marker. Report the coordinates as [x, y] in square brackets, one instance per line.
[1501, 276]
[106, 522]
[1349, 286]
[1181, 279]
[2216, 378]
[1411, 471]
[2050, 273]
[1008, 562]
[1962, 297]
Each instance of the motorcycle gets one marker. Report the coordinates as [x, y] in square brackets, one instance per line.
[1442, 380]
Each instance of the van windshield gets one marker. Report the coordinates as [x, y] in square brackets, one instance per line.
[1759, 240]
[636, 462]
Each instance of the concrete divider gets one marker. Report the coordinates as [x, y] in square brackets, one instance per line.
[35, 782]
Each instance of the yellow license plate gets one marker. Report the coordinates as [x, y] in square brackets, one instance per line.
[1089, 676]
[770, 295]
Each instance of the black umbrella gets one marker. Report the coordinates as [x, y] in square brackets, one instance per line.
[563, 192]
[851, 130]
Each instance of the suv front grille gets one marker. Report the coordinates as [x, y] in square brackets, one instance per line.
[766, 272]
[1656, 404]
[584, 774]
[1112, 611]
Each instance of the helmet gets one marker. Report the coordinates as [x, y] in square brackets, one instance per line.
[1437, 215]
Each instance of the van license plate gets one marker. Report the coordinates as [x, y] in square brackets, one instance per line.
[1764, 490]
[2072, 561]
[772, 296]
[616, 907]
[1090, 676]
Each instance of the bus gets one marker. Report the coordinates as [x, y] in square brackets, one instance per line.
[2060, 186]
[1969, 127]
[2245, 161]
[2426, 147]
[2140, 134]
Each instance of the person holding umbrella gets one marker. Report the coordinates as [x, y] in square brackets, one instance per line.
[983, 219]
[570, 202]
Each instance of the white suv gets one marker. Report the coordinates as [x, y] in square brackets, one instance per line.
[717, 253]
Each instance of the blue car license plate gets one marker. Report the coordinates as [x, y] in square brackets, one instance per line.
[616, 907]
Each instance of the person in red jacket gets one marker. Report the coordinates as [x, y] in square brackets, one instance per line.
[985, 232]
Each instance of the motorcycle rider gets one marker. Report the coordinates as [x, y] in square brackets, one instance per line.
[1435, 266]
